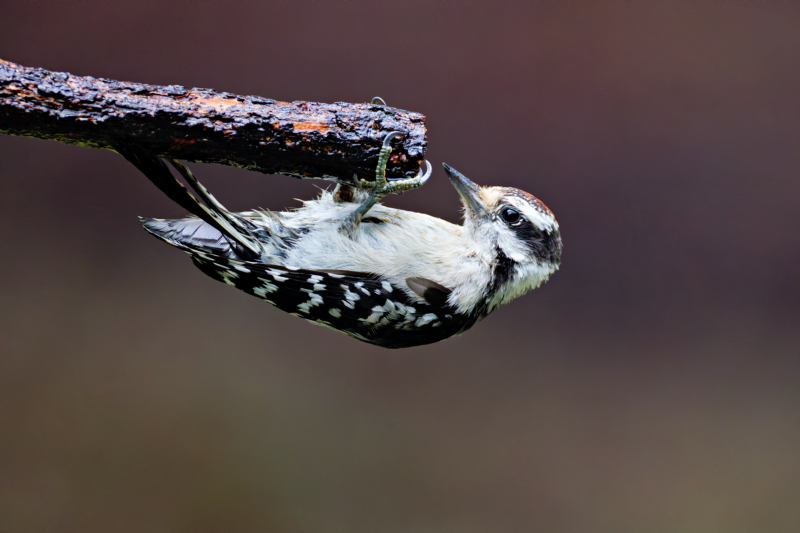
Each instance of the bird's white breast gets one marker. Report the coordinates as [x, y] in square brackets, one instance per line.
[402, 245]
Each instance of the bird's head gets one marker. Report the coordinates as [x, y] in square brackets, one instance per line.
[515, 231]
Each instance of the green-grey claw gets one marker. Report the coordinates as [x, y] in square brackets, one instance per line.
[381, 187]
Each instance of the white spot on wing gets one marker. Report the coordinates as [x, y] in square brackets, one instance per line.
[373, 318]
[334, 312]
[227, 276]
[351, 296]
[425, 319]
[377, 313]
[267, 286]
[315, 300]
[276, 275]
[263, 291]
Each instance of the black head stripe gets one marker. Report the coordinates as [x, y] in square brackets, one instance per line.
[546, 245]
[503, 269]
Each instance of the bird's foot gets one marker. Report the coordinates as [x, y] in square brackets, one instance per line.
[381, 186]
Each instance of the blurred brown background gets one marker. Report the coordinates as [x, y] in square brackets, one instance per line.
[652, 385]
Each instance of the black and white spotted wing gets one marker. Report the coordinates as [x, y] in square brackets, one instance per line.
[358, 304]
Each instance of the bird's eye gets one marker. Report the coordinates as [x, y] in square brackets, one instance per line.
[510, 216]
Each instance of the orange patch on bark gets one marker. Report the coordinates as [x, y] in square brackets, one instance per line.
[321, 127]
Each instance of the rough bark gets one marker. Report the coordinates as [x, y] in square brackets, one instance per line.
[303, 139]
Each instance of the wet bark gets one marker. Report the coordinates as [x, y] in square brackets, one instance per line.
[337, 141]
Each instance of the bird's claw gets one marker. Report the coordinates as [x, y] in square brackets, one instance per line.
[381, 186]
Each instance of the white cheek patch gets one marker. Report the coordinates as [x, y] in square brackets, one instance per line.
[512, 246]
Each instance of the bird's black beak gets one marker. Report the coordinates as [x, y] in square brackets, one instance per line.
[469, 192]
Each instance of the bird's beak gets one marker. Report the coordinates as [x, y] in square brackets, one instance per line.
[469, 192]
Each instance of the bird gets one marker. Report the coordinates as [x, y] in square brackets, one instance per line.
[389, 277]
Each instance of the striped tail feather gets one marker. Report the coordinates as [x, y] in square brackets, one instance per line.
[194, 235]
[214, 224]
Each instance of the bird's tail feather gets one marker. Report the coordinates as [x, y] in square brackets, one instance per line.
[227, 225]
[193, 235]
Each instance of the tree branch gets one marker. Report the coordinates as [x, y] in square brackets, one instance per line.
[302, 139]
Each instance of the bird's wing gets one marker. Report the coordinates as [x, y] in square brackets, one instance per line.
[362, 305]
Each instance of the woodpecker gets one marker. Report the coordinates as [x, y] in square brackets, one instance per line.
[389, 277]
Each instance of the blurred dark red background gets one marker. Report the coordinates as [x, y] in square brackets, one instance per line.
[651, 385]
